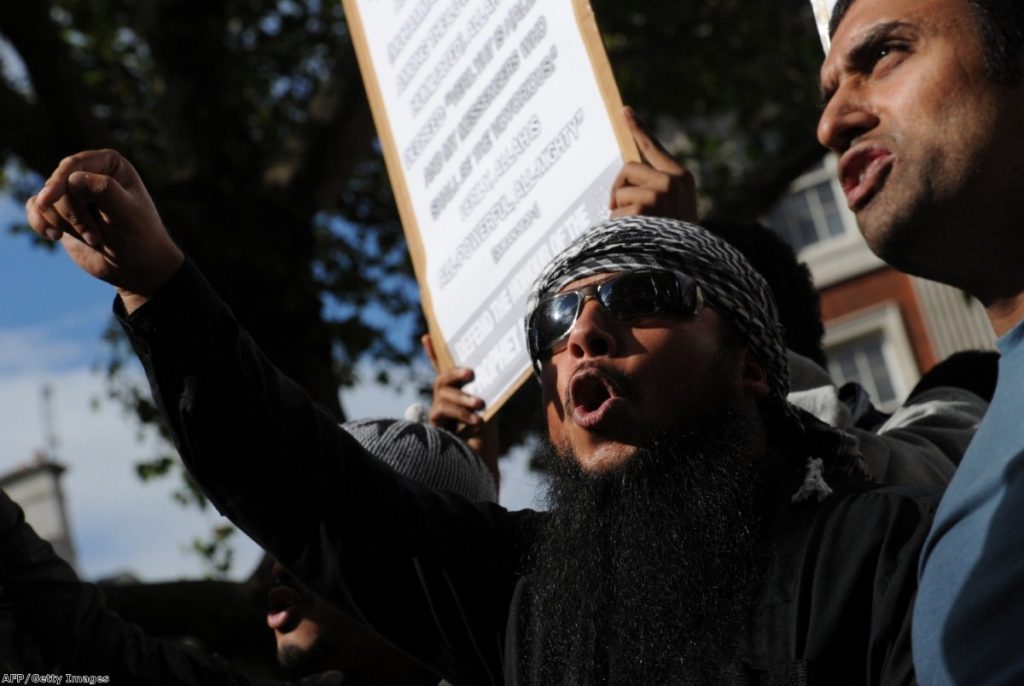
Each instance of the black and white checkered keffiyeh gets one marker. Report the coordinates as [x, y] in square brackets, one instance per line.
[736, 291]
[432, 456]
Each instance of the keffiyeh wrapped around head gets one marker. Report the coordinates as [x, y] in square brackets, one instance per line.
[735, 290]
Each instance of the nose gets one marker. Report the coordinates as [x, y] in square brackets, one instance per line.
[593, 334]
[846, 118]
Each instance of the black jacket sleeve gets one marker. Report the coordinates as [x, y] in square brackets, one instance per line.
[430, 572]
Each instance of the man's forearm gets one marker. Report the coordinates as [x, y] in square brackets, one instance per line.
[387, 551]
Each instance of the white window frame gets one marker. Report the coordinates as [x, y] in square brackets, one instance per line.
[884, 322]
[838, 258]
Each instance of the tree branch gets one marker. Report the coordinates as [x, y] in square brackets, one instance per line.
[23, 132]
[186, 39]
[66, 120]
[319, 160]
[758, 191]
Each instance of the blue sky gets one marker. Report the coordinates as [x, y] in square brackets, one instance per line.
[39, 289]
[51, 319]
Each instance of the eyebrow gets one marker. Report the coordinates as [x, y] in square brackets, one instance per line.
[861, 52]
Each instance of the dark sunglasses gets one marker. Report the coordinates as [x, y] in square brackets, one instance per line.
[624, 297]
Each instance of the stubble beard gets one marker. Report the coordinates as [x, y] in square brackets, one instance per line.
[303, 661]
[891, 221]
[928, 219]
[645, 574]
[898, 225]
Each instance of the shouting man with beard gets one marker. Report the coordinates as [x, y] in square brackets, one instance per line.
[702, 530]
[673, 548]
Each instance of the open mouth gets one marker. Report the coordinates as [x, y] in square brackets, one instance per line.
[863, 173]
[284, 606]
[592, 394]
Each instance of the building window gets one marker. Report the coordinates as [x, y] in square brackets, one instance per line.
[864, 362]
[808, 216]
[871, 347]
[814, 220]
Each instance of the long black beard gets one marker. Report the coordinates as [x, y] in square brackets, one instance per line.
[645, 575]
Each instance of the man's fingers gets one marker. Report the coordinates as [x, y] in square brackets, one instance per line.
[90, 199]
[105, 162]
[100, 197]
[627, 211]
[48, 222]
[452, 405]
[636, 196]
[619, 182]
[454, 396]
[40, 222]
[645, 191]
[635, 174]
[76, 188]
[641, 189]
[456, 377]
[447, 414]
[650, 147]
[78, 218]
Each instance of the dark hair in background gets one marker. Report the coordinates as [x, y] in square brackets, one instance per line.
[974, 370]
[789, 279]
[1000, 25]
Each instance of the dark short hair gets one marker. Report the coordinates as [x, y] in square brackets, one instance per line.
[1000, 25]
[789, 280]
[974, 370]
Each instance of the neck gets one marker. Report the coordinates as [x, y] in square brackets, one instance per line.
[1005, 313]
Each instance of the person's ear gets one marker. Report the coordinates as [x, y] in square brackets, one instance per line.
[754, 376]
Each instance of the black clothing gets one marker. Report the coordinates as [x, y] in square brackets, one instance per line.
[444, 579]
[77, 634]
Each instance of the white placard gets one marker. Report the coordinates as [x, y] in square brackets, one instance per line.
[822, 14]
[498, 120]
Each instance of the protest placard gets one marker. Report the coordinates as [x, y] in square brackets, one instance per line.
[822, 13]
[502, 131]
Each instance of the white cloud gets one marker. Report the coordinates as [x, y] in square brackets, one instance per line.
[72, 340]
[521, 487]
[33, 349]
[369, 400]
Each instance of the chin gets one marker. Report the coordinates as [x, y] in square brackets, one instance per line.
[293, 657]
[912, 246]
[876, 225]
[605, 457]
[897, 231]
[298, 653]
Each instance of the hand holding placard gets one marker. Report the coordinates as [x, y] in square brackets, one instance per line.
[657, 187]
